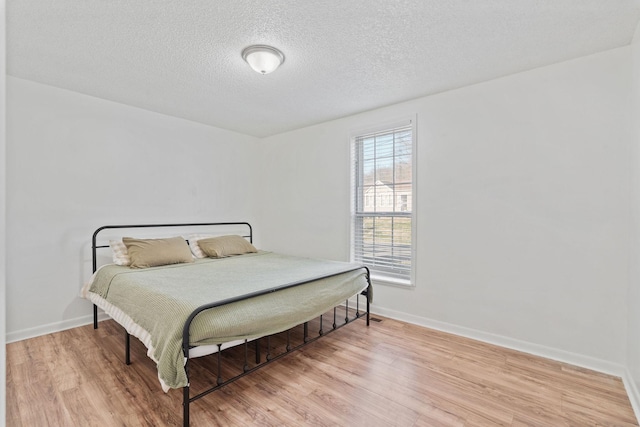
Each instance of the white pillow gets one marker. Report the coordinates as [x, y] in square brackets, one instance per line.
[119, 252]
[193, 244]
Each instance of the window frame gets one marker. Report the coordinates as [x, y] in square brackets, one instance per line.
[376, 275]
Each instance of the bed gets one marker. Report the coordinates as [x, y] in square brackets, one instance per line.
[203, 305]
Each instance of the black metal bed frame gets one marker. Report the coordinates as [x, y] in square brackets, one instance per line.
[220, 382]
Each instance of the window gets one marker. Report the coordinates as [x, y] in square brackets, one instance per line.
[382, 214]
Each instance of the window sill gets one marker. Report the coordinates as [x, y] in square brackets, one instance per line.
[381, 279]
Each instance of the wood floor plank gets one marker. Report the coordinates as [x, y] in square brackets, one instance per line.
[391, 373]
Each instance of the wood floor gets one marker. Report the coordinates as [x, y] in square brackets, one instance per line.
[390, 374]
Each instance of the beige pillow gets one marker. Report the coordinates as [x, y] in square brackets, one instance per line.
[218, 247]
[146, 253]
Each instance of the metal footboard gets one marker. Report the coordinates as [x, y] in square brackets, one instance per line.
[221, 382]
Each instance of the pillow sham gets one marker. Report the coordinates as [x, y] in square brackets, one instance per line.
[223, 246]
[146, 253]
[119, 252]
[193, 244]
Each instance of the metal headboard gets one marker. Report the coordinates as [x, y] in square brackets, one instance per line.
[95, 246]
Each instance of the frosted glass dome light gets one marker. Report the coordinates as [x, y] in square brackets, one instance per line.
[263, 59]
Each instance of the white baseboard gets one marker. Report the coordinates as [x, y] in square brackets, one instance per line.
[632, 392]
[580, 360]
[49, 328]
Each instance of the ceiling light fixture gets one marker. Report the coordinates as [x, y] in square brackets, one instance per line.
[263, 59]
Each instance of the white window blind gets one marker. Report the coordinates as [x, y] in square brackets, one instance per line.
[383, 201]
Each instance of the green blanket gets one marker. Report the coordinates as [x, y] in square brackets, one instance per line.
[160, 299]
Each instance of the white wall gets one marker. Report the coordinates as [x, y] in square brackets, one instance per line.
[2, 215]
[523, 207]
[633, 299]
[75, 163]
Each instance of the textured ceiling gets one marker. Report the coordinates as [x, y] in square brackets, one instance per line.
[182, 58]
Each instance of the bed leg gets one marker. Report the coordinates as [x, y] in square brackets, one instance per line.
[185, 406]
[219, 379]
[367, 310]
[95, 316]
[306, 331]
[186, 400]
[127, 348]
[268, 348]
[367, 294]
[257, 351]
[245, 368]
